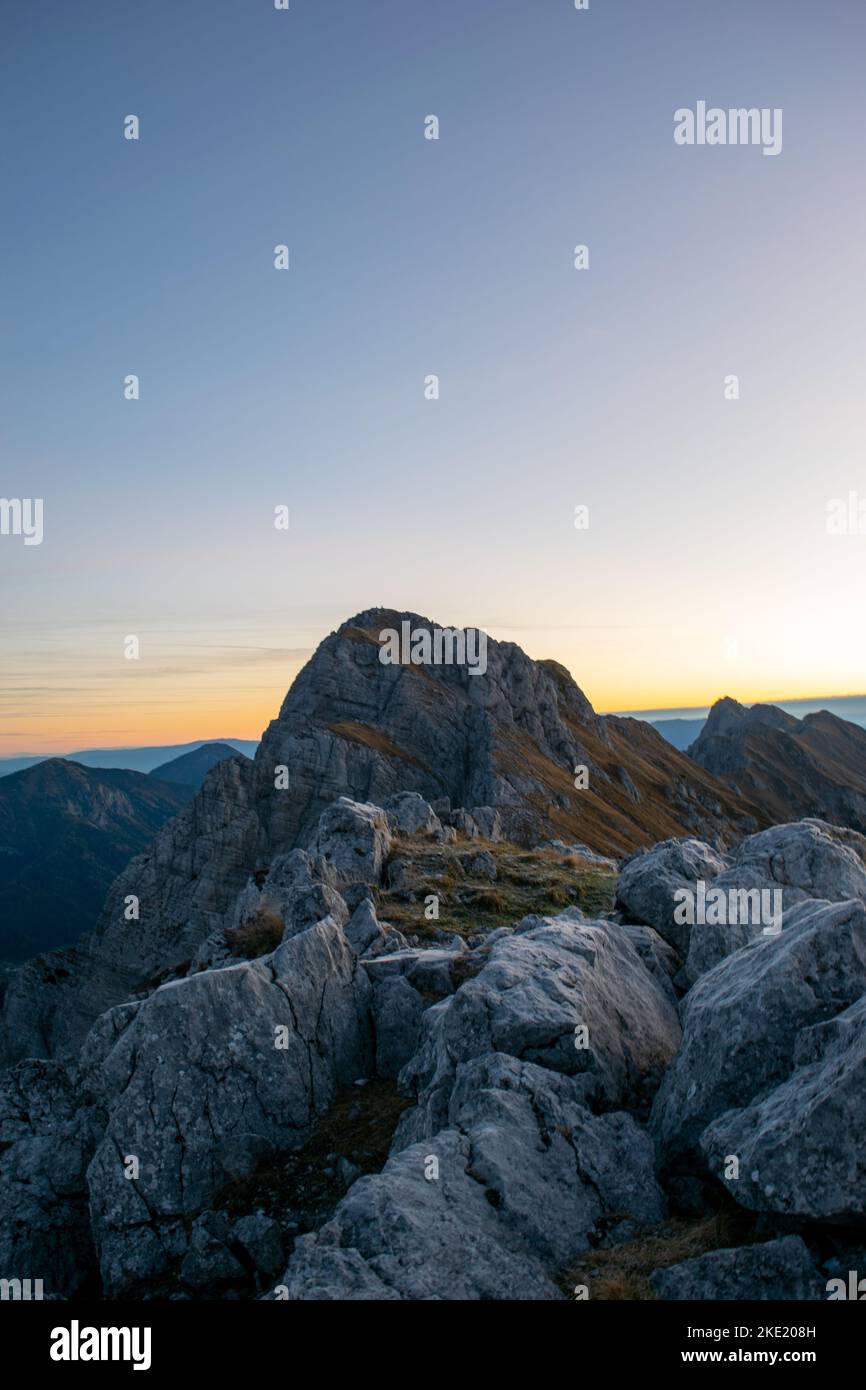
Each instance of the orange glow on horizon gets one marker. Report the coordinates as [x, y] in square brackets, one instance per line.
[216, 715]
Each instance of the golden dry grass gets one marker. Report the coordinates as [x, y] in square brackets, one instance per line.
[622, 1272]
[259, 936]
[369, 737]
[538, 881]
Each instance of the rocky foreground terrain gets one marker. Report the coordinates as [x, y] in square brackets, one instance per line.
[392, 1032]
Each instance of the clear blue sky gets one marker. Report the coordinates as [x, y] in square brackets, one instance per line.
[706, 568]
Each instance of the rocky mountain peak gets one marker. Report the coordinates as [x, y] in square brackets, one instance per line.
[791, 767]
[381, 726]
[729, 719]
[393, 703]
[725, 718]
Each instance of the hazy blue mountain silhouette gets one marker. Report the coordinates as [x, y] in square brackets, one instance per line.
[191, 769]
[135, 759]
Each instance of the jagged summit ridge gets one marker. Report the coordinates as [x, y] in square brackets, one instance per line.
[815, 766]
[351, 725]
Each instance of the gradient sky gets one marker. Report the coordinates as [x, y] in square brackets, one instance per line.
[706, 569]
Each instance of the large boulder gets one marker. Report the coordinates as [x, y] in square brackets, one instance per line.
[778, 1269]
[491, 1207]
[295, 889]
[800, 1148]
[208, 1076]
[808, 858]
[648, 883]
[742, 1020]
[354, 840]
[789, 864]
[293, 894]
[434, 972]
[570, 995]
[409, 814]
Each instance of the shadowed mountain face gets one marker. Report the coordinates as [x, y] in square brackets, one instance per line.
[65, 833]
[790, 767]
[352, 726]
[191, 769]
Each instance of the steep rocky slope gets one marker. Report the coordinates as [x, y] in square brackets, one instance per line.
[790, 767]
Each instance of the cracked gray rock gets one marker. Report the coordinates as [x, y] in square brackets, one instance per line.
[363, 930]
[397, 1010]
[649, 880]
[777, 1269]
[803, 860]
[354, 840]
[195, 1087]
[209, 1265]
[409, 814]
[493, 1206]
[260, 1240]
[743, 1019]
[539, 984]
[432, 971]
[800, 1147]
[46, 1140]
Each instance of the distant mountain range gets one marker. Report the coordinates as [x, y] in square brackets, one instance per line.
[815, 766]
[679, 732]
[191, 769]
[683, 727]
[135, 759]
[66, 831]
